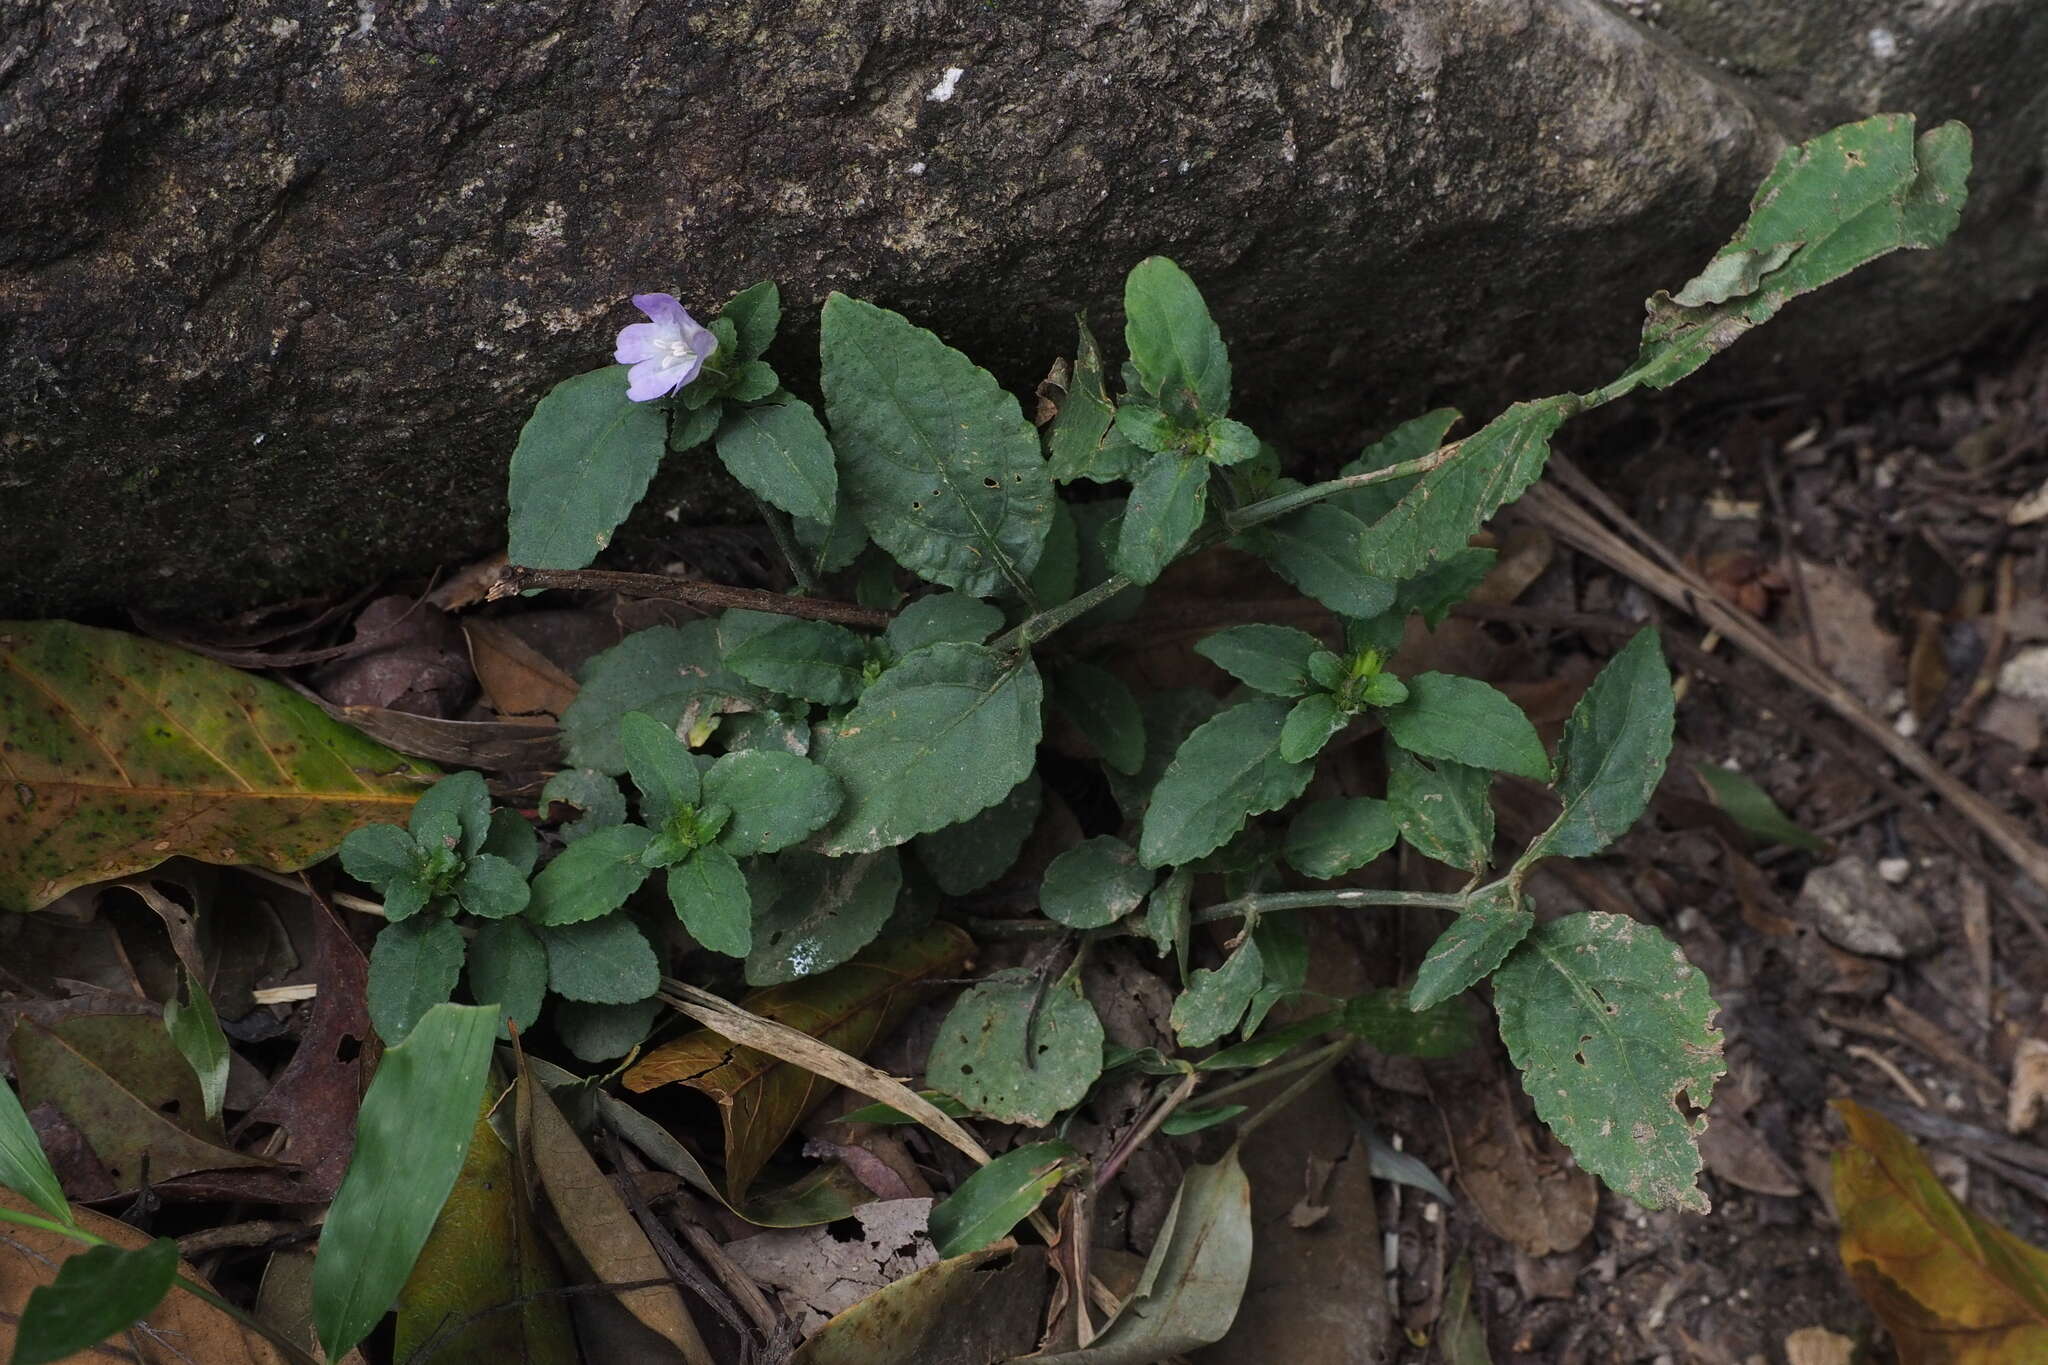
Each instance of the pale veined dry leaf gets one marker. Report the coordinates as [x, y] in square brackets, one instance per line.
[1949, 1286]
[123, 752]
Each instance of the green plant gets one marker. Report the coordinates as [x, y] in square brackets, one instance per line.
[807, 787]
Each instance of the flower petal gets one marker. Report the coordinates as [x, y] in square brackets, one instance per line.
[702, 340]
[664, 309]
[649, 380]
[638, 342]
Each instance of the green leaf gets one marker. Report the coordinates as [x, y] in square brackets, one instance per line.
[832, 545]
[1171, 714]
[196, 1030]
[1018, 1049]
[125, 752]
[711, 898]
[97, 1293]
[513, 840]
[1330, 838]
[1057, 575]
[1269, 1046]
[1411, 440]
[591, 877]
[1384, 1019]
[1149, 429]
[599, 1033]
[1165, 509]
[589, 791]
[937, 459]
[1230, 442]
[1216, 998]
[1493, 467]
[1166, 916]
[491, 888]
[1432, 593]
[1482, 935]
[814, 660]
[659, 671]
[1613, 752]
[1830, 205]
[582, 463]
[944, 734]
[693, 427]
[779, 452]
[1002, 1194]
[1080, 443]
[755, 312]
[1190, 1289]
[968, 856]
[942, 617]
[1227, 771]
[508, 968]
[1283, 966]
[1095, 883]
[413, 967]
[1442, 809]
[385, 857]
[1310, 724]
[1174, 344]
[1612, 1029]
[1184, 1121]
[1751, 807]
[663, 768]
[819, 912]
[775, 799]
[1103, 710]
[754, 381]
[412, 1137]
[601, 961]
[454, 813]
[1317, 549]
[23, 1166]
[1465, 721]
[1273, 659]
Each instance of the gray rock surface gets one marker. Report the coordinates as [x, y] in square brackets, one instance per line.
[1855, 908]
[279, 282]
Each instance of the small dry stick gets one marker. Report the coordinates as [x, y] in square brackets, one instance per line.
[517, 579]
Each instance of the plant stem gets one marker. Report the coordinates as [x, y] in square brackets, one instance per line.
[1042, 624]
[1281, 504]
[1269, 901]
[1278, 1069]
[1324, 1059]
[30, 1220]
[1143, 1132]
[785, 541]
[516, 579]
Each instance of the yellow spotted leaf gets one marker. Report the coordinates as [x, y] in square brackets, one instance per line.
[1951, 1288]
[117, 753]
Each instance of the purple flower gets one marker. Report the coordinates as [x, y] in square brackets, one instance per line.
[666, 353]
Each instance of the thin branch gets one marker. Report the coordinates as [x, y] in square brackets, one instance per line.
[516, 579]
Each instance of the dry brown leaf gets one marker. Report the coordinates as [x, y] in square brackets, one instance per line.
[1861, 653]
[1736, 1153]
[820, 1272]
[594, 1217]
[517, 679]
[1950, 1287]
[180, 1331]
[2029, 1085]
[1818, 1346]
[1521, 1180]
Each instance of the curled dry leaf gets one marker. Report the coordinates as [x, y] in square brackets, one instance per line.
[966, 1311]
[594, 1216]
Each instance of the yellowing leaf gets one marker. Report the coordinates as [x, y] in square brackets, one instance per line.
[762, 1098]
[1951, 1288]
[120, 752]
